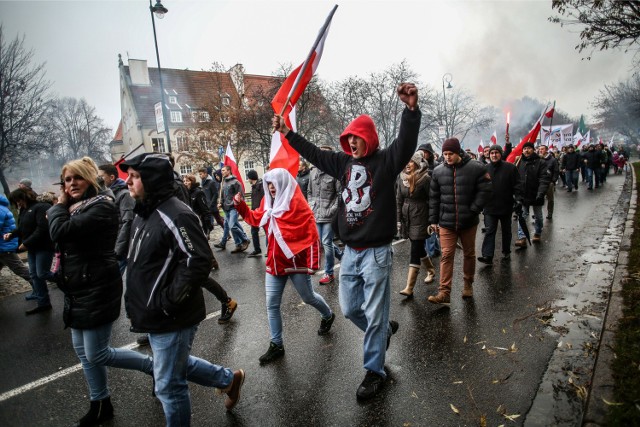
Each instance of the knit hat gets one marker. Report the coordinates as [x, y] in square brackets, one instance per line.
[528, 144]
[252, 174]
[497, 148]
[417, 158]
[451, 144]
[26, 182]
[154, 168]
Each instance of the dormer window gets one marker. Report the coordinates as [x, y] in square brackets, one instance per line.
[226, 99]
[173, 100]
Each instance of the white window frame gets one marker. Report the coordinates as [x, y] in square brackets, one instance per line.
[224, 118]
[159, 144]
[182, 142]
[185, 169]
[176, 116]
[173, 99]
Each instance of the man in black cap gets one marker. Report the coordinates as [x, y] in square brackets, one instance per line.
[535, 177]
[429, 156]
[169, 257]
[507, 189]
[257, 194]
[570, 165]
[459, 190]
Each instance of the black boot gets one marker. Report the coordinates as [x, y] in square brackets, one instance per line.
[99, 412]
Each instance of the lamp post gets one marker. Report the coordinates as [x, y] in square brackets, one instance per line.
[159, 10]
[446, 78]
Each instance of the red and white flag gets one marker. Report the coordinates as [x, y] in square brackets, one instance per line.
[532, 136]
[481, 146]
[494, 138]
[577, 139]
[282, 155]
[230, 160]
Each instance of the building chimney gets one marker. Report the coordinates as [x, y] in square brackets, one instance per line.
[139, 72]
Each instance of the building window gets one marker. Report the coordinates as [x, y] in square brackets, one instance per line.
[226, 100]
[205, 143]
[183, 143]
[185, 169]
[176, 117]
[248, 164]
[173, 100]
[158, 145]
[201, 116]
[224, 118]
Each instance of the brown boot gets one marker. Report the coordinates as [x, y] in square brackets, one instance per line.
[431, 270]
[411, 281]
[442, 298]
[521, 243]
[467, 292]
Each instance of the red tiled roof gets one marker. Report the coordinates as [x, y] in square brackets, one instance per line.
[194, 90]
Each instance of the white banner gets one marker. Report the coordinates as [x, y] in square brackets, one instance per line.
[159, 117]
[556, 136]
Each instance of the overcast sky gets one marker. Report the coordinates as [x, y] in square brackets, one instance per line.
[498, 50]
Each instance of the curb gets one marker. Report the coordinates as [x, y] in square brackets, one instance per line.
[602, 383]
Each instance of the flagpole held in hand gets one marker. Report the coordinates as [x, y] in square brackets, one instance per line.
[305, 65]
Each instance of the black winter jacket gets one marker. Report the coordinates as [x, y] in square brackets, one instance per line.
[570, 161]
[535, 178]
[90, 277]
[552, 164]
[124, 203]
[198, 204]
[33, 229]
[169, 258]
[507, 188]
[593, 159]
[257, 194]
[458, 193]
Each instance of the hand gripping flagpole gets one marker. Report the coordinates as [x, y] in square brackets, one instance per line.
[306, 62]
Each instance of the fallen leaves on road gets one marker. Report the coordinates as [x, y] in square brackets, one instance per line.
[454, 409]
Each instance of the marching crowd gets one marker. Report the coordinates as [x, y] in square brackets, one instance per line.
[147, 237]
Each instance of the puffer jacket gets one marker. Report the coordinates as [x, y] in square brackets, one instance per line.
[322, 195]
[458, 193]
[7, 225]
[90, 277]
[413, 208]
[33, 229]
[169, 258]
[535, 177]
[570, 161]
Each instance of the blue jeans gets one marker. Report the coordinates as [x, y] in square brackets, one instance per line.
[231, 224]
[95, 354]
[326, 237]
[491, 224]
[590, 178]
[537, 225]
[40, 271]
[572, 178]
[173, 367]
[365, 295]
[274, 290]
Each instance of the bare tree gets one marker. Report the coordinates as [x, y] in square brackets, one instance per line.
[23, 104]
[606, 24]
[77, 130]
[618, 108]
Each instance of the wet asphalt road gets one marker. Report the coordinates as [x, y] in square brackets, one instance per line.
[522, 347]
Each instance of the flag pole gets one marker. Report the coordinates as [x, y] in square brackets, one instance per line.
[551, 122]
[305, 65]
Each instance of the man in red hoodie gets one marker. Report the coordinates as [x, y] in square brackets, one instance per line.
[367, 223]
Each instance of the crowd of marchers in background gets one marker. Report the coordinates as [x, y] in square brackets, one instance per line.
[153, 229]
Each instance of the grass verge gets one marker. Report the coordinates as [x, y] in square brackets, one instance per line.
[626, 366]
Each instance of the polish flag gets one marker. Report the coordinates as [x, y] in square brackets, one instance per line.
[577, 139]
[532, 136]
[481, 146]
[587, 137]
[549, 114]
[494, 138]
[287, 96]
[230, 160]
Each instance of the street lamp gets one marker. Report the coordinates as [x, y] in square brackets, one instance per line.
[159, 10]
[446, 78]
